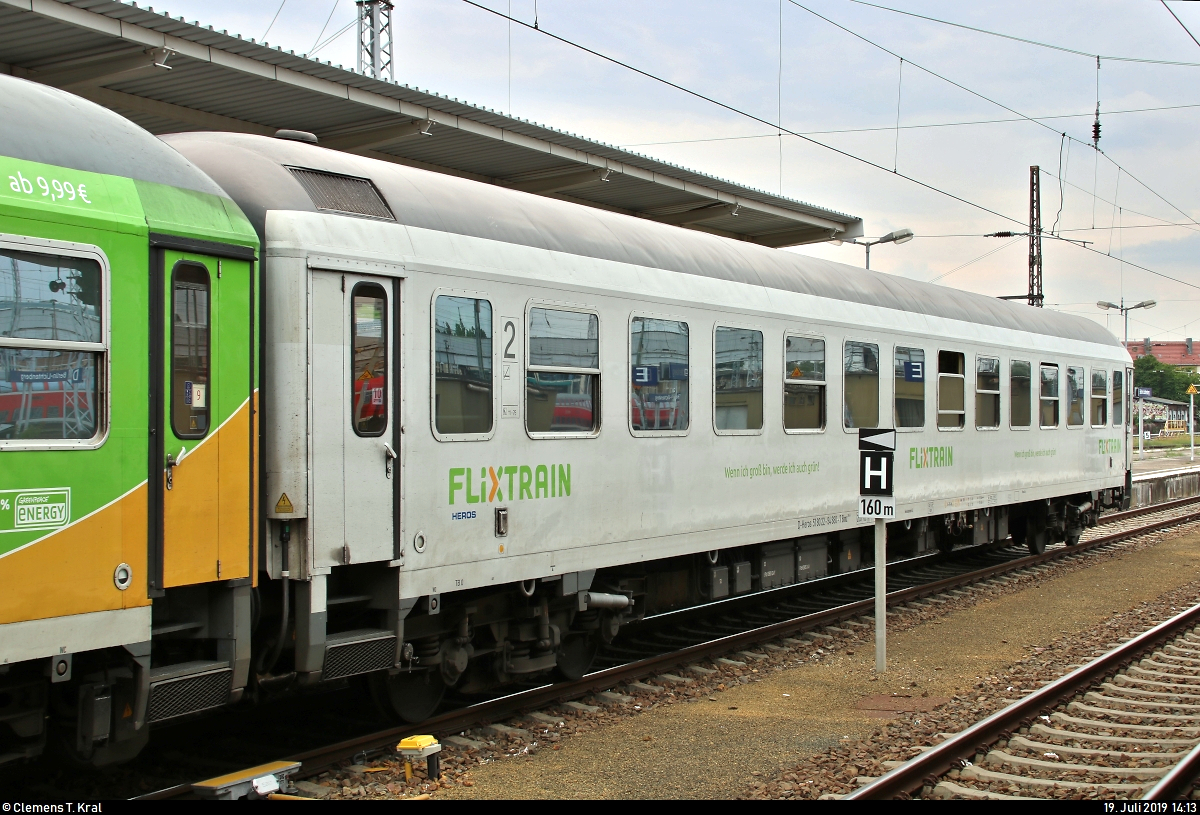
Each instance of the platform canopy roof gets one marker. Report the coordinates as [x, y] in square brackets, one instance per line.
[169, 75]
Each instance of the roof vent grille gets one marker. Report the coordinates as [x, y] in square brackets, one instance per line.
[346, 194]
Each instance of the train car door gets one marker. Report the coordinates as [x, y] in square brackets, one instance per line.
[355, 439]
[202, 418]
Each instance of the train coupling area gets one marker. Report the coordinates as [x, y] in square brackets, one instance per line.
[264, 781]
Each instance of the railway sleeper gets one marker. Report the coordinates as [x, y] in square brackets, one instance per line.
[1045, 747]
[999, 758]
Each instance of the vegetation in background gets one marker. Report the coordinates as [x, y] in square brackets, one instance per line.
[1166, 381]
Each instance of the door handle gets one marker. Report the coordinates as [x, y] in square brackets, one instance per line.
[389, 455]
[172, 463]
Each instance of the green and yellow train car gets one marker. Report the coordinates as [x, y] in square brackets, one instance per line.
[128, 431]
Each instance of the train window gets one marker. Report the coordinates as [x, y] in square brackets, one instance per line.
[190, 350]
[1118, 398]
[369, 363]
[50, 394]
[563, 378]
[860, 390]
[987, 393]
[1020, 394]
[462, 353]
[804, 384]
[1099, 398]
[1049, 396]
[1076, 381]
[952, 390]
[910, 387]
[659, 352]
[737, 379]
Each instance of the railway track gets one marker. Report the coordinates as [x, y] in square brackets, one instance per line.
[1126, 725]
[705, 632]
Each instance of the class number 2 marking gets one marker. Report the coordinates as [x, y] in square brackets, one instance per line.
[510, 328]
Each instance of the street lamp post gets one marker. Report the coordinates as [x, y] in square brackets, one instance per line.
[1124, 309]
[898, 236]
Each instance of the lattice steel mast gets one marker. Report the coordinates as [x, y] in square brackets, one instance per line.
[1035, 238]
[375, 39]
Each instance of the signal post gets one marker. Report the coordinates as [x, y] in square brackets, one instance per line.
[876, 499]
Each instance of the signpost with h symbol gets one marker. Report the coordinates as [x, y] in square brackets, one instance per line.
[876, 468]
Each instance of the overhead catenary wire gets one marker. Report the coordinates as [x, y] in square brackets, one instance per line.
[327, 19]
[1064, 49]
[962, 87]
[263, 38]
[747, 114]
[1181, 25]
[868, 162]
[976, 260]
[917, 126]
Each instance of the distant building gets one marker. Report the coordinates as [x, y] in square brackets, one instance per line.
[1179, 353]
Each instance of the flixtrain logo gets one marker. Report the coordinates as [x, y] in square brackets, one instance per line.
[486, 485]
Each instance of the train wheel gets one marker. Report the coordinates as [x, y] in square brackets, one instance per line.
[1036, 537]
[409, 697]
[575, 656]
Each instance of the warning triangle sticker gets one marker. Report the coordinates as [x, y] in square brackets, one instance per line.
[284, 505]
[127, 712]
[365, 375]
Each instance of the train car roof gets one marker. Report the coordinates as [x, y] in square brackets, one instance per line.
[50, 126]
[254, 170]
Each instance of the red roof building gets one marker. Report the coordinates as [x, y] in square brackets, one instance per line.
[1180, 353]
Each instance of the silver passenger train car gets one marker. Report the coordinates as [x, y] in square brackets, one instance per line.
[497, 427]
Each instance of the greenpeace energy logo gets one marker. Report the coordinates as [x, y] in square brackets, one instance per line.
[486, 485]
[28, 510]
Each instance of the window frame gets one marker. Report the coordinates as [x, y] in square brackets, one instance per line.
[654, 434]
[1117, 407]
[998, 393]
[1091, 394]
[824, 383]
[1085, 398]
[1012, 401]
[1057, 367]
[460, 437]
[597, 423]
[763, 352]
[388, 387]
[963, 376]
[879, 348]
[924, 391]
[19, 243]
[169, 356]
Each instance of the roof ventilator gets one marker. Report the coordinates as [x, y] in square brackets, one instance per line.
[296, 135]
[345, 194]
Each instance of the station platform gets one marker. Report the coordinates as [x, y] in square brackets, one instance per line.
[1159, 460]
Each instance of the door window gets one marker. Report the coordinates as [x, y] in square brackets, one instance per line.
[910, 387]
[860, 366]
[369, 365]
[659, 352]
[563, 379]
[1118, 399]
[737, 379]
[1020, 394]
[1099, 398]
[952, 396]
[50, 393]
[462, 354]
[804, 384]
[1049, 397]
[1075, 385]
[191, 316]
[987, 393]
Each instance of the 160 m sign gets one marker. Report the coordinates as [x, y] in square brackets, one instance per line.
[876, 507]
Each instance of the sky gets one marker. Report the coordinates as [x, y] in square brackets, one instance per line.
[815, 66]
